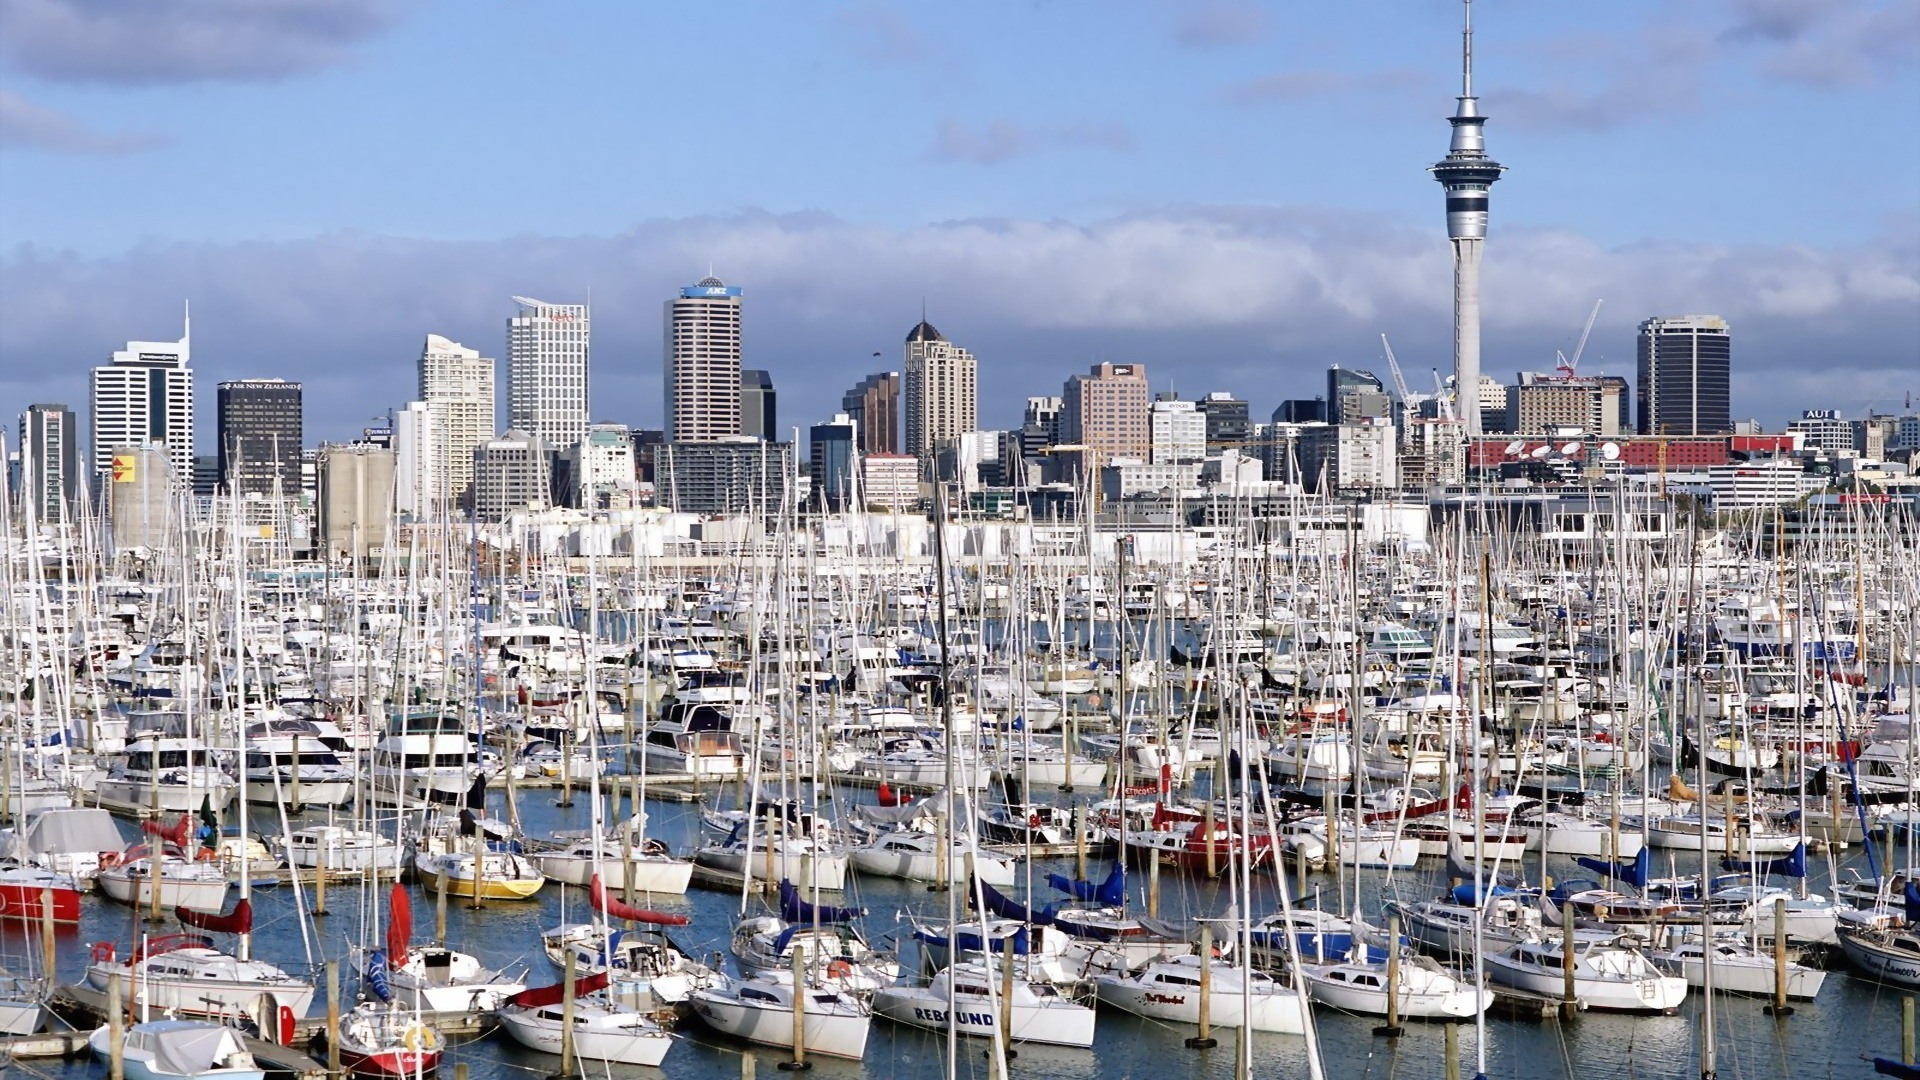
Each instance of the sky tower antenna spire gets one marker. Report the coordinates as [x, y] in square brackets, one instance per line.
[1466, 51]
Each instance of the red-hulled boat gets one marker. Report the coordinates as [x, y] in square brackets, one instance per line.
[382, 1040]
[1179, 837]
[24, 889]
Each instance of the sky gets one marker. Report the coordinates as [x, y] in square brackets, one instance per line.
[1231, 192]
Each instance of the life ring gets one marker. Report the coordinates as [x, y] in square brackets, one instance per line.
[839, 969]
[206, 854]
[1034, 820]
[109, 860]
[102, 952]
[414, 1039]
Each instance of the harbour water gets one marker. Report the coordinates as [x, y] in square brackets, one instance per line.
[1828, 1037]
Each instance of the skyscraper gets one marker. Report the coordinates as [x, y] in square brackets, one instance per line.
[418, 480]
[1468, 175]
[1354, 395]
[260, 436]
[49, 462]
[456, 383]
[1179, 432]
[702, 370]
[1685, 376]
[1228, 421]
[547, 353]
[758, 415]
[1105, 410]
[145, 395]
[831, 457]
[941, 391]
[874, 407]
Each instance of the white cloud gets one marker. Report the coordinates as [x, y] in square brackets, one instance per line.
[168, 41]
[1255, 300]
[27, 126]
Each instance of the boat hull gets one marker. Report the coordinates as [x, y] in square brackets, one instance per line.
[919, 1007]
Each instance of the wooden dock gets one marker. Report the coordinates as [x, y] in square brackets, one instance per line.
[1524, 1005]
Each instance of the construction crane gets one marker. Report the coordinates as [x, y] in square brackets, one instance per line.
[1399, 380]
[1440, 395]
[1570, 368]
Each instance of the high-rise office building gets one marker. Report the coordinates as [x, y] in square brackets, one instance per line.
[1354, 395]
[1301, 411]
[702, 354]
[511, 473]
[417, 474]
[831, 455]
[1537, 403]
[1178, 431]
[548, 347]
[260, 434]
[874, 407]
[145, 396]
[1105, 411]
[758, 415]
[1228, 421]
[50, 462]
[1685, 376]
[941, 391]
[600, 466]
[456, 384]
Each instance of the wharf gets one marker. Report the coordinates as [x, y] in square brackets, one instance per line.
[87, 1005]
[1524, 1005]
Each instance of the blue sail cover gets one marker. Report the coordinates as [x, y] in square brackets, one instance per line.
[1634, 873]
[1008, 908]
[969, 940]
[1794, 865]
[1913, 902]
[795, 910]
[377, 975]
[1111, 891]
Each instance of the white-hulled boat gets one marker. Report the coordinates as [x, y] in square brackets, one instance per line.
[178, 1050]
[184, 975]
[603, 1029]
[761, 1010]
[644, 960]
[23, 1004]
[1609, 973]
[1426, 991]
[282, 748]
[1738, 968]
[837, 955]
[174, 775]
[653, 869]
[198, 884]
[1170, 990]
[803, 860]
[1039, 1012]
[338, 848]
[1888, 955]
[914, 855]
[425, 755]
[435, 978]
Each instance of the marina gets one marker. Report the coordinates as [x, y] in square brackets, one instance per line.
[480, 852]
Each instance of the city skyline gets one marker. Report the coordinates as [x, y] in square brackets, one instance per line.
[1220, 273]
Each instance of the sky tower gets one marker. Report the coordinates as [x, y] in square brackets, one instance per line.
[1467, 173]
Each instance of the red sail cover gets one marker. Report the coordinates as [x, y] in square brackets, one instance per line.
[176, 834]
[237, 921]
[557, 993]
[399, 925]
[1462, 800]
[614, 909]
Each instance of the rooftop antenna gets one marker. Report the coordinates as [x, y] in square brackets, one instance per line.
[1466, 52]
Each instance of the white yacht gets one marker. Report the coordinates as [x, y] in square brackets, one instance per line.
[425, 755]
[169, 774]
[1169, 989]
[1039, 1012]
[1609, 973]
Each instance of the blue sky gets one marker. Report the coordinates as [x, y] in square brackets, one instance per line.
[1231, 192]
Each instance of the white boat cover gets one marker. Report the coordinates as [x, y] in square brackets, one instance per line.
[63, 831]
[186, 1048]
